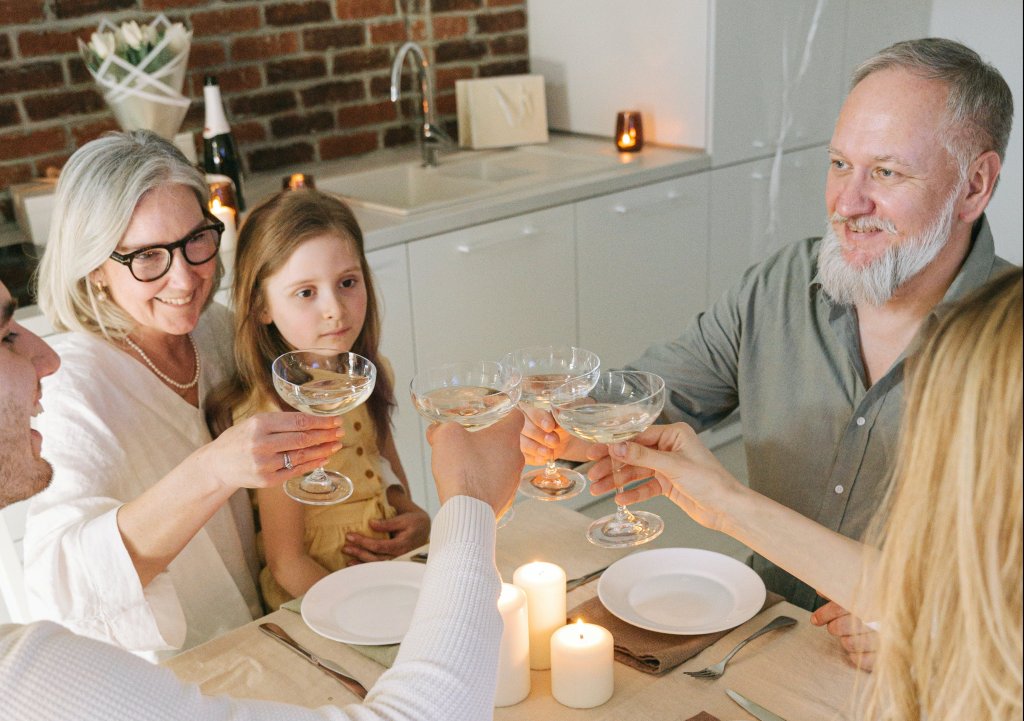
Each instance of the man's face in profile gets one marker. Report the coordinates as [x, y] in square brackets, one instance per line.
[24, 360]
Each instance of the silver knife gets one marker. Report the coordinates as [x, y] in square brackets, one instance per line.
[756, 710]
[585, 578]
[329, 667]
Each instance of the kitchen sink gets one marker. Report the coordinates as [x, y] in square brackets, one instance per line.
[408, 188]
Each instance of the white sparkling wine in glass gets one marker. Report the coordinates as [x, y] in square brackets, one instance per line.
[328, 393]
[619, 407]
[538, 388]
[473, 407]
[604, 422]
[322, 382]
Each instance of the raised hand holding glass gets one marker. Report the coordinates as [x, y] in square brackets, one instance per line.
[322, 382]
[620, 406]
[545, 369]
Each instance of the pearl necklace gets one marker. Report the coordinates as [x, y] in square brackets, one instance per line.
[160, 374]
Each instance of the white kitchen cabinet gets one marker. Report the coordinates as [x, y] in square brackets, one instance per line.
[642, 259]
[390, 268]
[749, 221]
[483, 291]
[776, 76]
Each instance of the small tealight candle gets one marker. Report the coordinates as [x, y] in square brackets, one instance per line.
[629, 131]
[514, 655]
[544, 585]
[582, 661]
[226, 215]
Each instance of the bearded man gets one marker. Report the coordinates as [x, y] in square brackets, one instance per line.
[810, 345]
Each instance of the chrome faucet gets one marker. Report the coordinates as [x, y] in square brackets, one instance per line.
[431, 135]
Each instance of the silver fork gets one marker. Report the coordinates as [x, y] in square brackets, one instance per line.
[718, 669]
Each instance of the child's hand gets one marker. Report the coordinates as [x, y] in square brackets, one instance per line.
[409, 529]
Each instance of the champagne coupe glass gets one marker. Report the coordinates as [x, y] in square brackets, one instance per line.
[474, 394]
[621, 405]
[571, 371]
[322, 382]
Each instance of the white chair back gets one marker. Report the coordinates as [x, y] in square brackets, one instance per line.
[12, 575]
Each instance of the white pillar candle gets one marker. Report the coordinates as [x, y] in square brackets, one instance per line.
[226, 215]
[514, 656]
[582, 660]
[544, 584]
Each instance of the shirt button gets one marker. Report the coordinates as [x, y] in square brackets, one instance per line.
[861, 421]
[839, 489]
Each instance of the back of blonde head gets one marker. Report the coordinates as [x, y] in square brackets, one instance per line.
[951, 570]
[98, 190]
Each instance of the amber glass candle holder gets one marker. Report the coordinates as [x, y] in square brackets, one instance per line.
[629, 131]
[298, 181]
[222, 189]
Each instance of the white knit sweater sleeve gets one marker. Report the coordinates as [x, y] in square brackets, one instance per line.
[446, 669]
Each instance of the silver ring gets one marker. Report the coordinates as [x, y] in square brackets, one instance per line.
[287, 461]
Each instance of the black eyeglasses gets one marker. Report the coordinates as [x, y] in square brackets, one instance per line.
[152, 263]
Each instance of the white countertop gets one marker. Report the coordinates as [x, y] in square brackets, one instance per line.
[382, 229]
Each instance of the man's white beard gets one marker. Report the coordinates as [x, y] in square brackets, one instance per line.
[876, 283]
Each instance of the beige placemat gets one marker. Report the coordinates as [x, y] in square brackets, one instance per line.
[384, 655]
[650, 651]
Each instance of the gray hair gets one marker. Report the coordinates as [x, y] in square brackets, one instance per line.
[97, 193]
[979, 109]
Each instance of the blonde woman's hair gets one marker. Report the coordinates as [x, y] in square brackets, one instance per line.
[97, 193]
[269, 236]
[950, 575]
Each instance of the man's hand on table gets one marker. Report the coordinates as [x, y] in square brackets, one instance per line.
[485, 464]
[859, 641]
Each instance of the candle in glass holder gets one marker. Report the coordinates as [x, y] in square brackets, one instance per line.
[629, 131]
[544, 585]
[297, 181]
[514, 655]
[582, 660]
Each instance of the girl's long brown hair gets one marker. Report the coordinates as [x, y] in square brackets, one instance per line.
[267, 239]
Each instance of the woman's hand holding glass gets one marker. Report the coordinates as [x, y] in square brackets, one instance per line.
[251, 454]
[620, 406]
[683, 469]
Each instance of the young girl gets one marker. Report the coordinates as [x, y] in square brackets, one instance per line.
[302, 281]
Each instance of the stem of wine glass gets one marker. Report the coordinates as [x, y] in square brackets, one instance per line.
[622, 514]
[550, 469]
[316, 482]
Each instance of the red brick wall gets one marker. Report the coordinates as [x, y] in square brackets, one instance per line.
[302, 80]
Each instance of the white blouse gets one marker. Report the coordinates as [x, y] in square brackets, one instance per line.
[111, 429]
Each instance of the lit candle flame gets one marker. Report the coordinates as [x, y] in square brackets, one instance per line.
[627, 139]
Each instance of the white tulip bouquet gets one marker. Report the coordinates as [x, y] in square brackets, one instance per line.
[140, 69]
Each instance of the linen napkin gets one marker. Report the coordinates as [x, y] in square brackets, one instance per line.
[650, 651]
[384, 655]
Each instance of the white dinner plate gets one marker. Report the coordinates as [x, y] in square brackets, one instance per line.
[681, 590]
[370, 604]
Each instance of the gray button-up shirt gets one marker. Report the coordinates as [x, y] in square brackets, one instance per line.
[776, 346]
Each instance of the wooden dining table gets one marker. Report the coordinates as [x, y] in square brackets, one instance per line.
[799, 674]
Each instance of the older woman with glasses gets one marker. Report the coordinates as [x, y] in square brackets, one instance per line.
[142, 540]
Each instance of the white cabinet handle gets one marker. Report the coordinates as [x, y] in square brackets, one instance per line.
[525, 232]
[670, 196]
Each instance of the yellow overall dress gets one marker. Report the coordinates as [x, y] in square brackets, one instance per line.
[326, 526]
